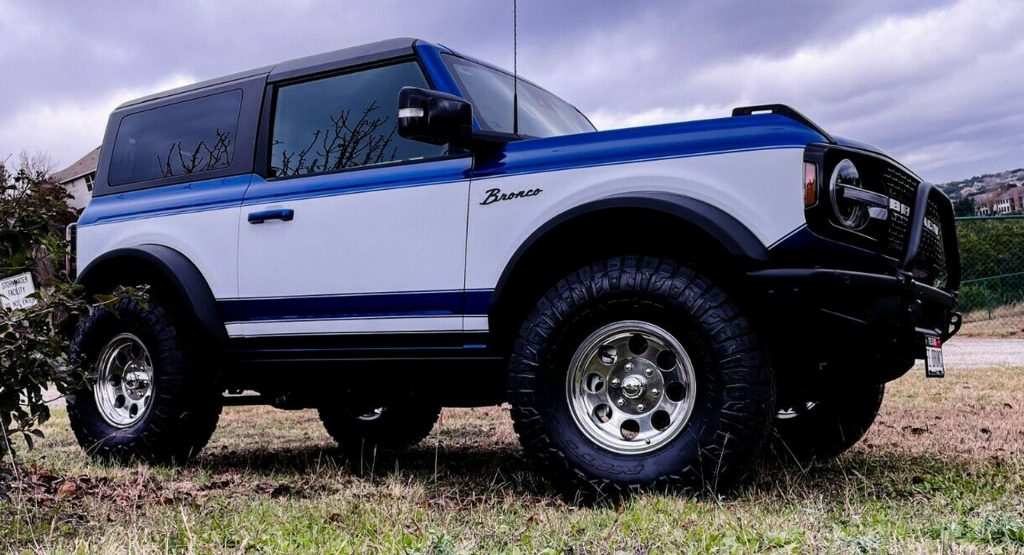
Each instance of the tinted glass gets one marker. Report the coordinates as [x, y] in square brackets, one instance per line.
[344, 121]
[541, 114]
[189, 137]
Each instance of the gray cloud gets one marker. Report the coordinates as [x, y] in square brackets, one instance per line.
[936, 83]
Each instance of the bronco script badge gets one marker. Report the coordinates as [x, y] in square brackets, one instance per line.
[495, 195]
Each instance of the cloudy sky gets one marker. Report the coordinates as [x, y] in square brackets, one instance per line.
[939, 84]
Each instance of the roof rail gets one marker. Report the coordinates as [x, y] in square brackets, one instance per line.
[782, 110]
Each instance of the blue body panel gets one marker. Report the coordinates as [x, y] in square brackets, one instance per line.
[359, 180]
[211, 194]
[437, 71]
[373, 305]
[673, 140]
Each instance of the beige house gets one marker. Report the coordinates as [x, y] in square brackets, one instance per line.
[1009, 202]
[78, 179]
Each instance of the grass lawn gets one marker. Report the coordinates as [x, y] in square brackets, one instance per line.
[941, 471]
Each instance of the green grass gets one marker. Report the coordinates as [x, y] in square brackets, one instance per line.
[271, 482]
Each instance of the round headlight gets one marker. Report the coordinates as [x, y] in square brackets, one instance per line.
[851, 213]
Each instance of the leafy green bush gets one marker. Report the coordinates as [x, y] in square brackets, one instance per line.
[33, 345]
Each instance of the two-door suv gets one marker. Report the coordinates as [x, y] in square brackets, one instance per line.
[385, 230]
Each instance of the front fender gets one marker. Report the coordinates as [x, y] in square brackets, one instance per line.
[734, 237]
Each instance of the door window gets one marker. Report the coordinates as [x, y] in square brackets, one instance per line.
[344, 121]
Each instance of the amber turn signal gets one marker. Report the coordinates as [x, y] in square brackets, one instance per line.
[810, 184]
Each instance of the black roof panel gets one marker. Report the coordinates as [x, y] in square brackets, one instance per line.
[335, 59]
[345, 57]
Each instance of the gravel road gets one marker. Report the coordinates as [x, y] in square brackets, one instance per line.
[977, 352]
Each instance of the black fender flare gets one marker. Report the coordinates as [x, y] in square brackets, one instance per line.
[731, 234]
[174, 268]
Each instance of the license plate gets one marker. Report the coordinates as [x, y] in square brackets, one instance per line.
[933, 366]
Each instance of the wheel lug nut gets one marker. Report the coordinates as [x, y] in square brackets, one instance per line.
[629, 367]
[648, 371]
[640, 408]
[655, 392]
[620, 402]
[616, 382]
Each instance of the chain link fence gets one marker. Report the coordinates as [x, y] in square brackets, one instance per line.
[992, 290]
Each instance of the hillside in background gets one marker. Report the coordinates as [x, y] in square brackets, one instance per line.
[990, 194]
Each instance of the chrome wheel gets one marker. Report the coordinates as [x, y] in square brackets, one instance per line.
[631, 387]
[124, 381]
[795, 410]
[372, 415]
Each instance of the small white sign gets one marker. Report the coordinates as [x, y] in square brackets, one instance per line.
[15, 291]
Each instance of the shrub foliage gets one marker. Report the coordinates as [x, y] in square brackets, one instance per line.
[33, 347]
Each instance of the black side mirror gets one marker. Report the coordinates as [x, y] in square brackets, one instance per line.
[433, 117]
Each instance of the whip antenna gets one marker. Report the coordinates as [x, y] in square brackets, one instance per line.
[515, 67]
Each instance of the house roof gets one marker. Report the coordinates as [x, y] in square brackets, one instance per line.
[85, 165]
[1012, 192]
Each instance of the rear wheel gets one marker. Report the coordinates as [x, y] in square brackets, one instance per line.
[637, 373]
[362, 434]
[147, 395]
[825, 427]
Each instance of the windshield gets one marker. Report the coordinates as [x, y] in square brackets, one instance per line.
[541, 114]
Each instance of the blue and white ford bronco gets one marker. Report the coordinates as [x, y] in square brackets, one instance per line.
[377, 233]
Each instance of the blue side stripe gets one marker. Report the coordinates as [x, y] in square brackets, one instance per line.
[672, 140]
[373, 305]
[359, 180]
[212, 194]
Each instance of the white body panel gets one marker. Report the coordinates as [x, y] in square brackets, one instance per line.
[391, 240]
[761, 189]
[208, 238]
[414, 239]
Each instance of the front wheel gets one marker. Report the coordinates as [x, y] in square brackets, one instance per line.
[637, 373]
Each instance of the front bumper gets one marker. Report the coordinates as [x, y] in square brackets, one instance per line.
[839, 316]
[870, 306]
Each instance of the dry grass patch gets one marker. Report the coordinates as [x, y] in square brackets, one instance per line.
[942, 471]
[972, 414]
[1004, 321]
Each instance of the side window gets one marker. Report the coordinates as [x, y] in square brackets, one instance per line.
[192, 136]
[344, 121]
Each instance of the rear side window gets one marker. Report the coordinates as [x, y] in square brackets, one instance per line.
[189, 137]
[344, 121]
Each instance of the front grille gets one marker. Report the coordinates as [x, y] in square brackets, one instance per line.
[932, 259]
[902, 187]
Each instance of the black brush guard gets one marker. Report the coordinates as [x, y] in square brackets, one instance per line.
[929, 309]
